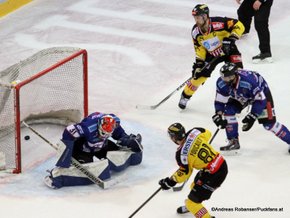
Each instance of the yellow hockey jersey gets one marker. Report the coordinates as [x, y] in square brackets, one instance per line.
[219, 28]
[196, 153]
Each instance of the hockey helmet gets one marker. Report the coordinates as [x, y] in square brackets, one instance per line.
[107, 125]
[228, 69]
[200, 9]
[176, 132]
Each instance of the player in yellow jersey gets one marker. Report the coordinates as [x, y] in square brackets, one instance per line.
[213, 37]
[194, 152]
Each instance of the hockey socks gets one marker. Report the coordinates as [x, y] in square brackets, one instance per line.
[197, 209]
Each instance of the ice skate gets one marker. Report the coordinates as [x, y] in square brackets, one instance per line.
[262, 58]
[182, 210]
[182, 102]
[232, 148]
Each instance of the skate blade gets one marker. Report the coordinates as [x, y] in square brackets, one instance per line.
[231, 153]
[264, 61]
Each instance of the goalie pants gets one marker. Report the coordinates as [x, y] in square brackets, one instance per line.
[87, 157]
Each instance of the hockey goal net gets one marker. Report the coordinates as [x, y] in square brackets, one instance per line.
[50, 86]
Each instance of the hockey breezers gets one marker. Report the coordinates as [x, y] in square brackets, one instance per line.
[179, 188]
[75, 163]
[153, 107]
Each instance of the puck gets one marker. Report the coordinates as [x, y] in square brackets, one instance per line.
[27, 137]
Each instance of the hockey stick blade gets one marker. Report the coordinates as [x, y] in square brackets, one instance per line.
[153, 107]
[146, 107]
[178, 188]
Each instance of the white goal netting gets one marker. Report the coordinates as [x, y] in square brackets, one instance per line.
[50, 86]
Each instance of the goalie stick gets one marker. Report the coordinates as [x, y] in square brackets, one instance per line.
[153, 107]
[75, 163]
[179, 188]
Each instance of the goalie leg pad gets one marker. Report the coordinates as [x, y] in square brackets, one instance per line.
[120, 160]
[73, 177]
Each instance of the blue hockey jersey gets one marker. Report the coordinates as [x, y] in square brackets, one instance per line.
[88, 129]
[250, 88]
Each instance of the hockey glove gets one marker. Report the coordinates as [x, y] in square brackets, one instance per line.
[131, 142]
[167, 183]
[219, 121]
[196, 69]
[228, 45]
[248, 121]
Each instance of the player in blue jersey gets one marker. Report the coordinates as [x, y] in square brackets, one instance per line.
[96, 136]
[237, 89]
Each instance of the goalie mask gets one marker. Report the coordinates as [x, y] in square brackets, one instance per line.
[176, 132]
[107, 125]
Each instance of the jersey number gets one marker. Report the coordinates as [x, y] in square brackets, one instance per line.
[205, 154]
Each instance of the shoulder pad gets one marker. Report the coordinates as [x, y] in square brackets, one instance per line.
[202, 130]
[245, 84]
[195, 32]
[220, 83]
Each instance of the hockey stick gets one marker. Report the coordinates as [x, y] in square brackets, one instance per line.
[139, 208]
[153, 107]
[179, 188]
[75, 163]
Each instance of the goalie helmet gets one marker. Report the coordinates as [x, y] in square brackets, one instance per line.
[200, 9]
[107, 125]
[176, 132]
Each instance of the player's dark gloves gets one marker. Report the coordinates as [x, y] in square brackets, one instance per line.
[131, 142]
[219, 121]
[248, 121]
[167, 183]
[228, 45]
[196, 69]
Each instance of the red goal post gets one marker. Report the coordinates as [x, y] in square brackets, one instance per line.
[49, 87]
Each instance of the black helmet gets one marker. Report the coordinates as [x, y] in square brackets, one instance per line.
[200, 9]
[228, 69]
[176, 131]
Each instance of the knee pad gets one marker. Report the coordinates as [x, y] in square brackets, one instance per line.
[231, 119]
[273, 127]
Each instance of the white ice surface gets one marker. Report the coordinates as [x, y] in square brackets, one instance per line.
[139, 52]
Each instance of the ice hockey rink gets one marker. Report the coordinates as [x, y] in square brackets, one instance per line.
[140, 51]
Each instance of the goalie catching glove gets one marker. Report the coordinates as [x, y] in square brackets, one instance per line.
[132, 142]
[249, 121]
[167, 183]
